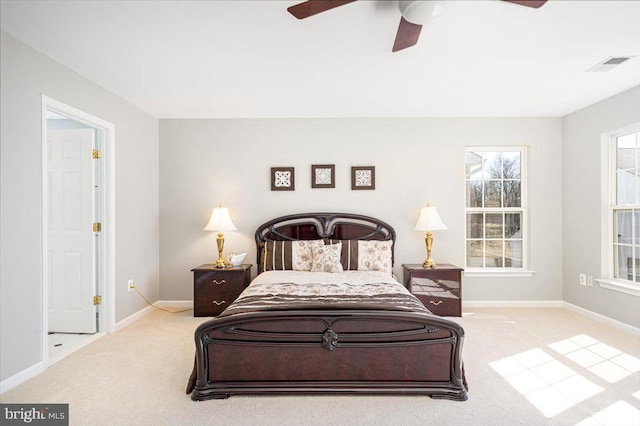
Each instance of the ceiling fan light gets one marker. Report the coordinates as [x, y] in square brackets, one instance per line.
[423, 12]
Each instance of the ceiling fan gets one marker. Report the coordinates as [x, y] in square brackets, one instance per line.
[414, 13]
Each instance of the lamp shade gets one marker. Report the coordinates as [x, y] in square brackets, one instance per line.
[220, 221]
[429, 220]
[422, 12]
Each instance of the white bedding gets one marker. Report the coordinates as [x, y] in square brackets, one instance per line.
[308, 283]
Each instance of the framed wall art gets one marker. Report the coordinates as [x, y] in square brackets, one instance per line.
[283, 178]
[323, 176]
[363, 177]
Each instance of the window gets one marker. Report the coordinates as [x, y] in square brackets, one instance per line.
[495, 209]
[624, 204]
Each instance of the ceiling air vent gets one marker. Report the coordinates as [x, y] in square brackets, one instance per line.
[609, 63]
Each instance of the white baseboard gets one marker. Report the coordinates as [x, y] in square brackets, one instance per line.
[610, 321]
[38, 368]
[550, 304]
[22, 376]
[512, 304]
[174, 303]
[160, 304]
[131, 318]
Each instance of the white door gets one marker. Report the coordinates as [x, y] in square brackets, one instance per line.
[71, 240]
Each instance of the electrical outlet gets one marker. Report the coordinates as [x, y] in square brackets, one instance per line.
[130, 285]
[589, 281]
[583, 279]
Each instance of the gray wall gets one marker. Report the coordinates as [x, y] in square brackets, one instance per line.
[25, 76]
[206, 162]
[581, 206]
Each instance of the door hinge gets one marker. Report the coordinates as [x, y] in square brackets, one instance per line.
[97, 227]
[97, 300]
[96, 153]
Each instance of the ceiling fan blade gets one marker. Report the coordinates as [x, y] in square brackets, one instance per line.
[313, 7]
[531, 3]
[407, 36]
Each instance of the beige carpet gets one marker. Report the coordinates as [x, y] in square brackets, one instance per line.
[524, 367]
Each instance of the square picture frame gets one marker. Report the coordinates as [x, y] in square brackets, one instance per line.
[363, 178]
[323, 176]
[283, 179]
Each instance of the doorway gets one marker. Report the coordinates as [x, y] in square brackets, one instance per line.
[78, 229]
[73, 185]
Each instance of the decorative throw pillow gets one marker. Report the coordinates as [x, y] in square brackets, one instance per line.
[326, 258]
[349, 256]
[375, 256]
[302, 254]
[288, 255]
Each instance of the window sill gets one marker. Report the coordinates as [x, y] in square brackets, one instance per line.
[620, 286]
[506, 273]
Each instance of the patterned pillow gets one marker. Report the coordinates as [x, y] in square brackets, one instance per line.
[374, 256]
[326, 258]
[349, 256]
[288, 255]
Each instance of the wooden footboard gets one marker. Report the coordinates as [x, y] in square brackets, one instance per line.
[329, 351]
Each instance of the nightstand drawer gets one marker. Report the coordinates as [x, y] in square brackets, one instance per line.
[436, 275]
[213, 303]
[215, 289]
[212, 281]
[444, 307]
[438, 288]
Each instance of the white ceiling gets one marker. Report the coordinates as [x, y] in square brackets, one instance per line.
[224, 59]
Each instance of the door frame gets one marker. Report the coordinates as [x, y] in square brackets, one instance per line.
[106, 277]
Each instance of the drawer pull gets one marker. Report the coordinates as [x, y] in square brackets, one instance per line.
[435, 303]
[219, 303]
[219, 282]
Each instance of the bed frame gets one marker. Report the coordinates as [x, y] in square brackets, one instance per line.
[328, 351]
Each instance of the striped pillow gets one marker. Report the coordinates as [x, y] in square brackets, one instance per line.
[288, 255]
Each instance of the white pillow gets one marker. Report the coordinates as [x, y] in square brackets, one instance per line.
[301, 254]
[375, 255]
[326, 258]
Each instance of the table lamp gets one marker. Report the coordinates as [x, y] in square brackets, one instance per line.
[220, 222]
[429, 220]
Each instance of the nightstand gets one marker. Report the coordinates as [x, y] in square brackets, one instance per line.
[214, 289]
[439, 288]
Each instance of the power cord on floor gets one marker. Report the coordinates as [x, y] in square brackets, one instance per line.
[157, 307]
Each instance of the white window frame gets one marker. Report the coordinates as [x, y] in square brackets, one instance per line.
[608, 205]
[522, 271]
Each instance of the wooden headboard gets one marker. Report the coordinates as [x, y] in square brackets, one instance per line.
[314, 226]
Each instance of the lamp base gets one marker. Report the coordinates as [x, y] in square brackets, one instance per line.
[429, 263]
[220, 263]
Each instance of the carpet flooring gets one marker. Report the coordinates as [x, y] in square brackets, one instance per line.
[524, 366]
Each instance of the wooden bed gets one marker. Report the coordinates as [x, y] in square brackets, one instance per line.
[329, 350]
